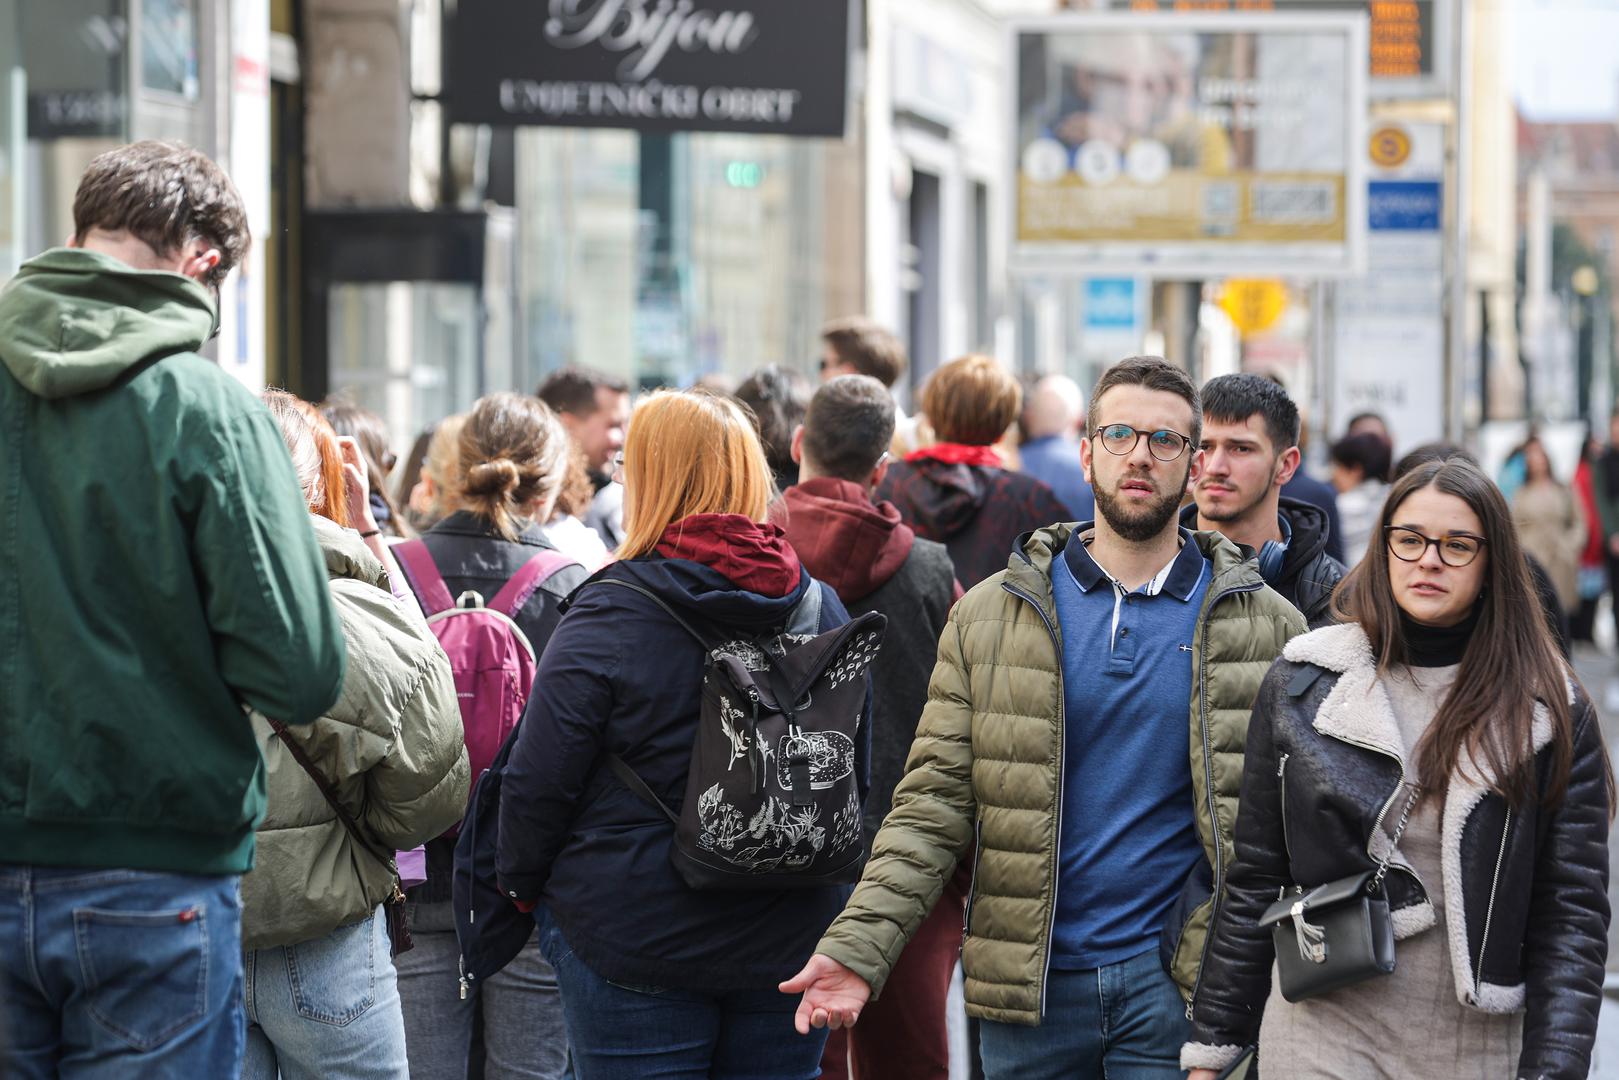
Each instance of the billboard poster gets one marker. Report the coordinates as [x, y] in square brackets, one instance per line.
[757, 66]
[1202, 146]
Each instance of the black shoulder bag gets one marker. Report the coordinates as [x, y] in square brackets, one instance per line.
[1337, 934]
[393, 907]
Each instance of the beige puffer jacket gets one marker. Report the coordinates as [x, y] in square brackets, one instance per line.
[987, 761]
[392, 746]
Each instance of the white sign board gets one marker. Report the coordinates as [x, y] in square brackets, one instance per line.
[1389, 331]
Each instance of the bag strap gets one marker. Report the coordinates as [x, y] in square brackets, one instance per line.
[425, 580]
[633, 781]
[1399, 831]
[656, 599]
[330, 795]
[529, 577]
[806, 617]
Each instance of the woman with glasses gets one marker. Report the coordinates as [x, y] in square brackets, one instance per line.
[1435, 753]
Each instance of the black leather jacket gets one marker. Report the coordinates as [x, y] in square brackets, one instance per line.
[1530, 929]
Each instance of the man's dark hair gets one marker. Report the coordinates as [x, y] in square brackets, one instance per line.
[778, 398]
[848, 427]
[1370, 452]
[867, 347]
[572, 390]
[1154, 373]
[1232, 399]
[166, 195]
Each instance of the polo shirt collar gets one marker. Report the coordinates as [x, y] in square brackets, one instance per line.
[1178, 578]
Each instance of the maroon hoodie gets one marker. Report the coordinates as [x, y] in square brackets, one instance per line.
[842, 538]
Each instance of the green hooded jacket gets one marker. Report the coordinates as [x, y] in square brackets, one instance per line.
[987, 763]
[157, 574]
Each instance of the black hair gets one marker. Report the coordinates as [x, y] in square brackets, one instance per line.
[1370, 452]
[1234, 398]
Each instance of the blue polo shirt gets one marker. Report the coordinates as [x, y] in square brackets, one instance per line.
[1129, 834]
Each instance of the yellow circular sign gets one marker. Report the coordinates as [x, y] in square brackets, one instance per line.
[1254, 305]
[1390, 147]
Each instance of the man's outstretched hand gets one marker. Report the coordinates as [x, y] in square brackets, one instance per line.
[833, 995]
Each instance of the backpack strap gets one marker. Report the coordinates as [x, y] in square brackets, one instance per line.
[656, 599]
[806, 617]
[330, 795]
[534, 573]
[425, 580]
[630, 779]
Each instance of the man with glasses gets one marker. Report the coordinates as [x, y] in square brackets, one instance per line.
[1086, 719]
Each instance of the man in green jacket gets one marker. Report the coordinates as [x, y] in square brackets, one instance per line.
[1084, 728]
[158, 576]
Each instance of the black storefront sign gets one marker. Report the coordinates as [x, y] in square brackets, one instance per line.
[756, 66]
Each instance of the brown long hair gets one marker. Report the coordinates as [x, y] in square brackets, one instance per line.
[1509, 666]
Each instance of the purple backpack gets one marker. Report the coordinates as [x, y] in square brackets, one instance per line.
[493, 661]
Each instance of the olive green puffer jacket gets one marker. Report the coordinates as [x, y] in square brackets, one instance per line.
[987, 761]
[392, 747]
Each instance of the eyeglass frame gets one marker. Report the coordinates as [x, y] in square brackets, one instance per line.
[1186, 442]
[1433, 542]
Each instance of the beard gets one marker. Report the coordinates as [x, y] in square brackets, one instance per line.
[1138, 523]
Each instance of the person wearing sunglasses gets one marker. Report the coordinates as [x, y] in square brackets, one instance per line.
[1083, 734]
[1434, 750]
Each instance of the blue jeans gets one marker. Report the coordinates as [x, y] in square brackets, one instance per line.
[326, 1009]
[520, 1006]
[1125, 1021]
[119, 973]
[621, 1032]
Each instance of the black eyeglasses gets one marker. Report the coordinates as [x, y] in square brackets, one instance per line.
[1455, 550]
[1122, 440]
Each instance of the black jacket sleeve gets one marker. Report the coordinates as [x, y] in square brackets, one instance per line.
[1236, 974]
[1566, 942]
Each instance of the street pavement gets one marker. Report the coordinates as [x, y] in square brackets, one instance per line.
[1599, 671]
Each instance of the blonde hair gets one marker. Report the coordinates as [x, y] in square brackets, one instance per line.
[442, 462]
[972, 400]
[513, 456]
[689, 452]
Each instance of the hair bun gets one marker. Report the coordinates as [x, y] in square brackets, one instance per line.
[496, 478]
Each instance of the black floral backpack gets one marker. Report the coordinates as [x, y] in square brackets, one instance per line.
[772, 800]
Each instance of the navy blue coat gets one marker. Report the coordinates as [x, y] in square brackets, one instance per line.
[618, 676]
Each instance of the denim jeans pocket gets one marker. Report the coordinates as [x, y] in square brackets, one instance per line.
[637, 988]
[334, 977]
[146, 971]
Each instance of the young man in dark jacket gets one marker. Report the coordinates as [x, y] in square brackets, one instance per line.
[876, 563]
[1250, 450]
[158, 574]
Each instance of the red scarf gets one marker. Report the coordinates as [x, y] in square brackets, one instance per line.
[956, 454]
[751, 556]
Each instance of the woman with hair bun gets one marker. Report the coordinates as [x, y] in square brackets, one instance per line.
[510, 461]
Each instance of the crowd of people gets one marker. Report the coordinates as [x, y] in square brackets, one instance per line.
[532, 754]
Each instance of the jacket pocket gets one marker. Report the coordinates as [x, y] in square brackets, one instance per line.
[147, 971]
[972, 881]
[1196, 894]
[1281, 792]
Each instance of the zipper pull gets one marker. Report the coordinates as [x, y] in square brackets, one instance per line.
[464, 988]
[1281, 766]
